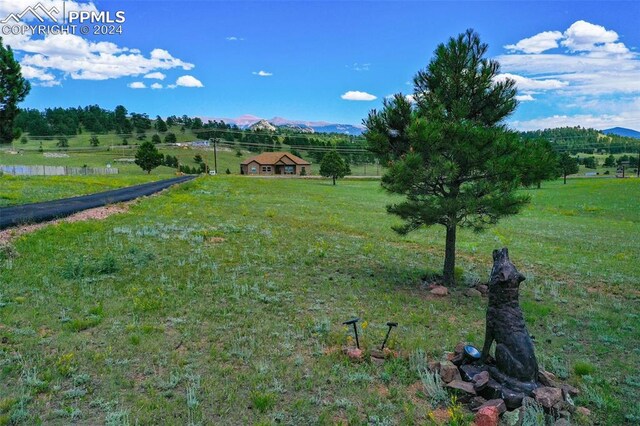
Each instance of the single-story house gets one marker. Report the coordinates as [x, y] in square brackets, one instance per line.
[275, 163]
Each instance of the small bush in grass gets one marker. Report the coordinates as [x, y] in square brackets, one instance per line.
[80, 324]
[433, 388]
[66, 364]
[263, 401]
[583, 368]
[431, 381]
[107, 265]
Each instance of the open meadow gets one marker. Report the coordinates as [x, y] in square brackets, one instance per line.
[221, 301]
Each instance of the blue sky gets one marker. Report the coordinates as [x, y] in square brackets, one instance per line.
[576, 63]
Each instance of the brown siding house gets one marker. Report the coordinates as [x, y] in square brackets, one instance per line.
[275, 163]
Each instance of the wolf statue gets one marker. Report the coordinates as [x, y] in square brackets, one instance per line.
[516, 366]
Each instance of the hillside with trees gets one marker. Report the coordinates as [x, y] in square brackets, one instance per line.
[582, 140]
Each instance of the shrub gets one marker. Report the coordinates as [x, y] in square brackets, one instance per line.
[583, 368]
[263, 401]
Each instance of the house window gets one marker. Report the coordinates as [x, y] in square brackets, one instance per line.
[266, 169]
[254, 170]
[289, 170]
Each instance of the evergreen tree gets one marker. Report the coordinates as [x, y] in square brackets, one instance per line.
[170, 138]
[450, 154]
[590, 162]
[567, 165]
[94, 141]
[334, 166]
[160, 125]
[156, 138]
[13, 89]
[148, 157]
[63, 142]
[122, 123]
[610, 161]
[540, 162]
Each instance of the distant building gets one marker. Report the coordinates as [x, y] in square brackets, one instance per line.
[275, 163]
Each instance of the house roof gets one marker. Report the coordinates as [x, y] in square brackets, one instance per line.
[272, 158]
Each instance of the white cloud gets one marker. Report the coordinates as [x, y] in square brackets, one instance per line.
[359, 67]
[155, 75]
[593, 63]
[137, 85]
[583, 36]
[538, 43]
[599, 114]
[51, 83]
[234, 38]
[410, 98]
[171, 86]
[262, 73]
[592, 79]
[354, 95]
[188, 81]
[525, 83]
[31, 73]
[525, 98]
[156, 86]
[161, 54]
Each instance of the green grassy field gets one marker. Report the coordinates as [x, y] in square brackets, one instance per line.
[220, 301]
[31, 189]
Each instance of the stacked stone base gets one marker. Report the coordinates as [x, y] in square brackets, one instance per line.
[490, 399]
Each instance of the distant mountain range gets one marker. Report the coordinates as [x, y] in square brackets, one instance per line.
[621, 131]
[247, 120]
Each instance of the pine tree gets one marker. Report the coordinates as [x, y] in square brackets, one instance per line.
[13, 89]
[160, 125]
[148, 157]
[567, 165]
[540, 162]
[449, 153]
[610, 161]
[170, 138]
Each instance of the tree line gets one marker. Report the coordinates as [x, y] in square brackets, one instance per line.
[579, 139]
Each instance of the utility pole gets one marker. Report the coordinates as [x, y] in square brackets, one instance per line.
[215, 156]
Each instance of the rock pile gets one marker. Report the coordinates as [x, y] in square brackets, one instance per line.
[490, 400]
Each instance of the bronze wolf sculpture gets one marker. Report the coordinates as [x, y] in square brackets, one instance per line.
[517, 367]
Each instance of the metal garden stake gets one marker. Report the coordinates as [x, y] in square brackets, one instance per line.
[355, 329]
[391, 325]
